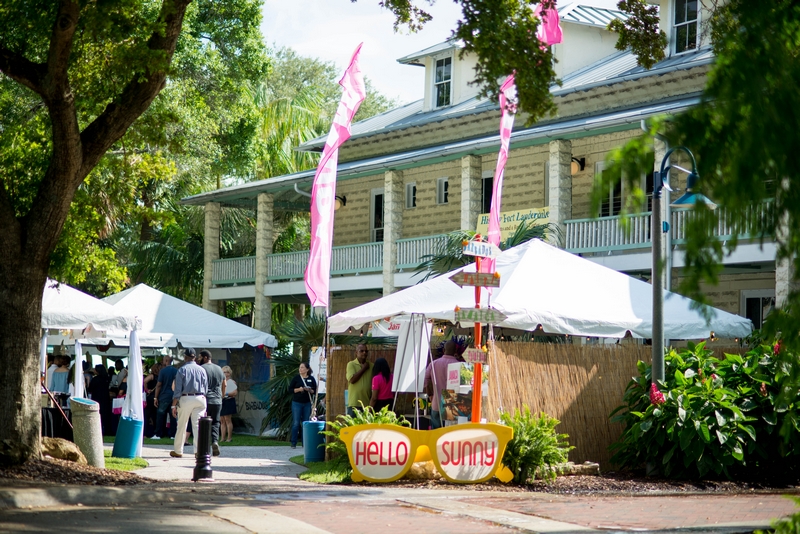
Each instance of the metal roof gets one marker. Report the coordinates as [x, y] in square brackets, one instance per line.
[245, 194]
[590, 15]
[615, 68]
[413, 58]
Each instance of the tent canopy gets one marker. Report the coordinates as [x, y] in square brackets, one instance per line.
[167, 321]
[66, 308]
[564, 293]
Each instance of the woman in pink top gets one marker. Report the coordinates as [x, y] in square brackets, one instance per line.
[381, 385]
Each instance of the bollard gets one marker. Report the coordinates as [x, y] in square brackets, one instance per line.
[88, 434]
[202, 468]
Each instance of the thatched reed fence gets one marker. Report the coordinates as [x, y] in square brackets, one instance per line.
[580, 385]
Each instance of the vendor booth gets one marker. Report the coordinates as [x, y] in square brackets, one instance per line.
[547, 290]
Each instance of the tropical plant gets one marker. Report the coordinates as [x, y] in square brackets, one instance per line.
[536, 446]
[365, 416]
[787, 525]
[735, 416]
[449, 254]
[279, 407]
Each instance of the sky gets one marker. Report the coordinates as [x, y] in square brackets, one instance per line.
[331, 30]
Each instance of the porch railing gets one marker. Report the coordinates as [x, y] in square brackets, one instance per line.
[607, 233]
[346, 260]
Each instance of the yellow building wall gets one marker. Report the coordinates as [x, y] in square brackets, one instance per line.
[430, 218]
[351, 223]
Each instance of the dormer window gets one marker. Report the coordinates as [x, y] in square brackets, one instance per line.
[685, 26]
[442, 78]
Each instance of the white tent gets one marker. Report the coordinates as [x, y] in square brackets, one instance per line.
[66, 308]
[167, 321]
[562, 292]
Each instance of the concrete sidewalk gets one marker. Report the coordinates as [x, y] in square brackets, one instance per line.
[256, 489]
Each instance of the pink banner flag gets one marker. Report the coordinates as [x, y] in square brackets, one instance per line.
[549, 29]
[323, 192]
[508, 106]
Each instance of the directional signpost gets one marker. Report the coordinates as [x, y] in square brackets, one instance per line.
[476, 315]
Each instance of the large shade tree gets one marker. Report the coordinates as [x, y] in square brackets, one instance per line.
[76, 74]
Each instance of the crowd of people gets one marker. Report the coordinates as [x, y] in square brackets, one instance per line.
[175, 396]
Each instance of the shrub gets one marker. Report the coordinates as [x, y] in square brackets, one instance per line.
[536, 447]
[728, 416]
[366, 416]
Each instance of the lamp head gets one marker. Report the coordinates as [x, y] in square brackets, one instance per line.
[340, 202]
[689, 199]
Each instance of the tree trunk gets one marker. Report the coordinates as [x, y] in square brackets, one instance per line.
[20, 325]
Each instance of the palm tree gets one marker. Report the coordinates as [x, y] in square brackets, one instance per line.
[450, 255]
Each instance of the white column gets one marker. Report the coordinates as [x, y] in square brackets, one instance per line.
[392, 225]
[560, 187]
[262, 307]
[213, 212]
[471, 191]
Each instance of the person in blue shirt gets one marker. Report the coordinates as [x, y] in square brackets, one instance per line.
[188, 399]
[163, 401]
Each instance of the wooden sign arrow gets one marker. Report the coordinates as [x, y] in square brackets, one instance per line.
[480, 248]
[476, 279]
[475, 356]
[479, 315]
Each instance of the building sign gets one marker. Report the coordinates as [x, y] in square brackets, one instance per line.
[475, 356]
[468, 453]
[510, 220]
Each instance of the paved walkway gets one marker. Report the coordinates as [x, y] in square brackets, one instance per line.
[256, 489]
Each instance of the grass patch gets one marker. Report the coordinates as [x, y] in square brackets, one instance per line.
[300, 459]
[239, 440]
[123, 464]
[329, 472]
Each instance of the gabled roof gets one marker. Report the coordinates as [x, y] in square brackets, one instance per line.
[615, 68]
[414, 58]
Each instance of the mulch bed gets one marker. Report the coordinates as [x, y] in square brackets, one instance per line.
[51, 470]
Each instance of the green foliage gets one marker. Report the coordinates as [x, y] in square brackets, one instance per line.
[365, 416]
[450, 255]
[640, 32]
[734, 417]
[500, 33]
[333, 471]
[123, 464]
[787, 525]
[279, 410]
[536, 446]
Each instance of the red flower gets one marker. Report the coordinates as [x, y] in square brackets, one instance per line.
[656, 397]
[777, 348]
[714, 376]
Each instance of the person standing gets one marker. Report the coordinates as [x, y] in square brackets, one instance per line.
[436, 380]
[303, 387]
[98, 392]
[163, 400]
[359, 381]
[189, 398]
[382, 378]
[216, 390]
[228, 405]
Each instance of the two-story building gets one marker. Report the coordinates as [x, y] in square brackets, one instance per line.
[424, 169]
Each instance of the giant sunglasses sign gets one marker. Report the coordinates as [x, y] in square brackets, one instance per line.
[468, 453]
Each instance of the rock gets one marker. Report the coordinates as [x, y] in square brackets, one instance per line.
[570, 469]
[423, 471]
[63, 450]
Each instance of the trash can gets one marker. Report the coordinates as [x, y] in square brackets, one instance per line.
[313, 441]
[129, 438]
[87, 431]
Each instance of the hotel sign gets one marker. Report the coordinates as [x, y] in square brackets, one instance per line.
[510, 220]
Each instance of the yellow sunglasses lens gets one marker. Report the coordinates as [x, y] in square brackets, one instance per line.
[468, 455]
[380, 454]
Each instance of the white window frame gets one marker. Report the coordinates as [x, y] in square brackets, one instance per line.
[745, 294]
[674, 28]
[411, 195]
[486, 175]
[599, 167]
[442, 190]
[435, 85]
[372, 230]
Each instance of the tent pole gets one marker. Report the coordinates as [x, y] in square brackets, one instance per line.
[477, 376]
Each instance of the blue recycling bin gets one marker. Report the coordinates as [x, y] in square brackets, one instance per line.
[313, 441]
[129, 438]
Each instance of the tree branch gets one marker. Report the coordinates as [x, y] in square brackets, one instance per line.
[21, 70]
[56, 82]
[137, 96]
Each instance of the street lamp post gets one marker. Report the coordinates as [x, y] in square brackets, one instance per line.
[660, 181]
